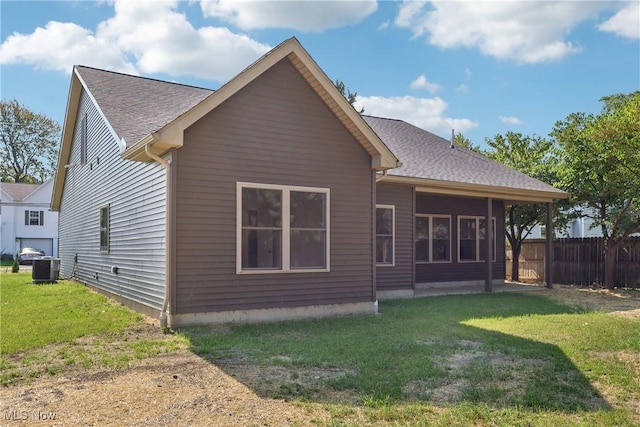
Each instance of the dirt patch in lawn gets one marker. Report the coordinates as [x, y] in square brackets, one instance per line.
[620, 302]
[180, 388]
[167, 390]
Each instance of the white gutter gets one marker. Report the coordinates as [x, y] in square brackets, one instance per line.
[167, 275]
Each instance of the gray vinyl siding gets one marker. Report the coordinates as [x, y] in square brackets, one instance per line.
[400, 276]
[135, 193]
[274, 131]
[460, 271]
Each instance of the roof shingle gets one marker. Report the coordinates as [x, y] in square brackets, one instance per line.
[428, 156]
[137, 106]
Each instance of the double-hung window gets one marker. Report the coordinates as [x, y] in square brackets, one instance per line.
[385, 234]
[282, 228]
[472, 233]
[433, 238]
[33, 217]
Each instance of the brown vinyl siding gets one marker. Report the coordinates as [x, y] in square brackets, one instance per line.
[399, 276]
[460, 271]
[274, 131]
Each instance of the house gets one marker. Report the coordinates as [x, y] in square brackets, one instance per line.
[581, 226]
[269, 198]
[25, 218]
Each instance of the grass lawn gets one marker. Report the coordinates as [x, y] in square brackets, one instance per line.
[499, 359]
[45, 322]
[492, 359]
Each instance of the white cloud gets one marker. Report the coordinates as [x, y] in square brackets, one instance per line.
[625, 23]
[308, 16]
[142, 36]
[58, 46]
[462, 88]
[511, 120]
[426, 113]
[423, 83]
[527, 32]
[384, 25]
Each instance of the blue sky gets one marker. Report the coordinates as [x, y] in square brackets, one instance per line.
[481, 68]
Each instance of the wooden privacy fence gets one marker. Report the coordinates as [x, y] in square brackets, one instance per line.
[578, 261]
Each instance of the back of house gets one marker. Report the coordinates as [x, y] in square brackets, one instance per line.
[270, 198]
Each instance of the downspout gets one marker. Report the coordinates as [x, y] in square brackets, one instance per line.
[167, 276]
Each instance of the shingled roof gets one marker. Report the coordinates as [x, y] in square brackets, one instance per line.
[136, 106]
[425, 156]
[148, 113]
[18, 191]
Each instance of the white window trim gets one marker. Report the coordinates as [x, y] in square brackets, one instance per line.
[393, 237]
[40, 215]
[431, 261]
[286, 228]
[478, 240]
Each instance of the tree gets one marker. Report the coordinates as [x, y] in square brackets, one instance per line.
[352, 97]
[600, 167]
[460, 141]
[29, 141]
[532, 155]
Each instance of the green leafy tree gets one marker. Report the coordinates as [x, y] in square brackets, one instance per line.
[534, 156]
[352, 97]
[460, 141]
[29, 144]
[601, 167]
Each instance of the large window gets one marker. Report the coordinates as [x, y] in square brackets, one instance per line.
[104, 229]
[33, 217]
[433, 238]
[385, 232]
[282, 228]
[472, 233]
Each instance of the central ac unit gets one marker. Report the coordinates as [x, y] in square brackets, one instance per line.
[45, 270]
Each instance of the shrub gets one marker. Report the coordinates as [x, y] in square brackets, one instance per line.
[15, 267]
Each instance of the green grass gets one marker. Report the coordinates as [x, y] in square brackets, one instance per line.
[37, 315]
[513, 358]
[486, 360]
[47, 329]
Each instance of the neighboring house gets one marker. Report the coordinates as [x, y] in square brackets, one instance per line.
[26, 220]
[581, 227]
[269, 198]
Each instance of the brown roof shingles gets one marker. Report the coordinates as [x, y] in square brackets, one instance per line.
[428, 156]
[137, 106]
[18, 191]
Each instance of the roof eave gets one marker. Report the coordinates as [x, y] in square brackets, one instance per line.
[73, 104]
[172, 134]
[508, 194]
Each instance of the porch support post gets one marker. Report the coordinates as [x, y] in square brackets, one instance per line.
[488, 241]
[548, 258]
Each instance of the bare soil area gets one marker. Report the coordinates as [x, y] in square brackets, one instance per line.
[182, 389]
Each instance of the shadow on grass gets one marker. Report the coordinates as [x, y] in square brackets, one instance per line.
[415, 351]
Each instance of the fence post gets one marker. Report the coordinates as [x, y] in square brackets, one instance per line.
[548, 258]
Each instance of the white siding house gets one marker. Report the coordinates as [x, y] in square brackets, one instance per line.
[25, 218]
[124, 252]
